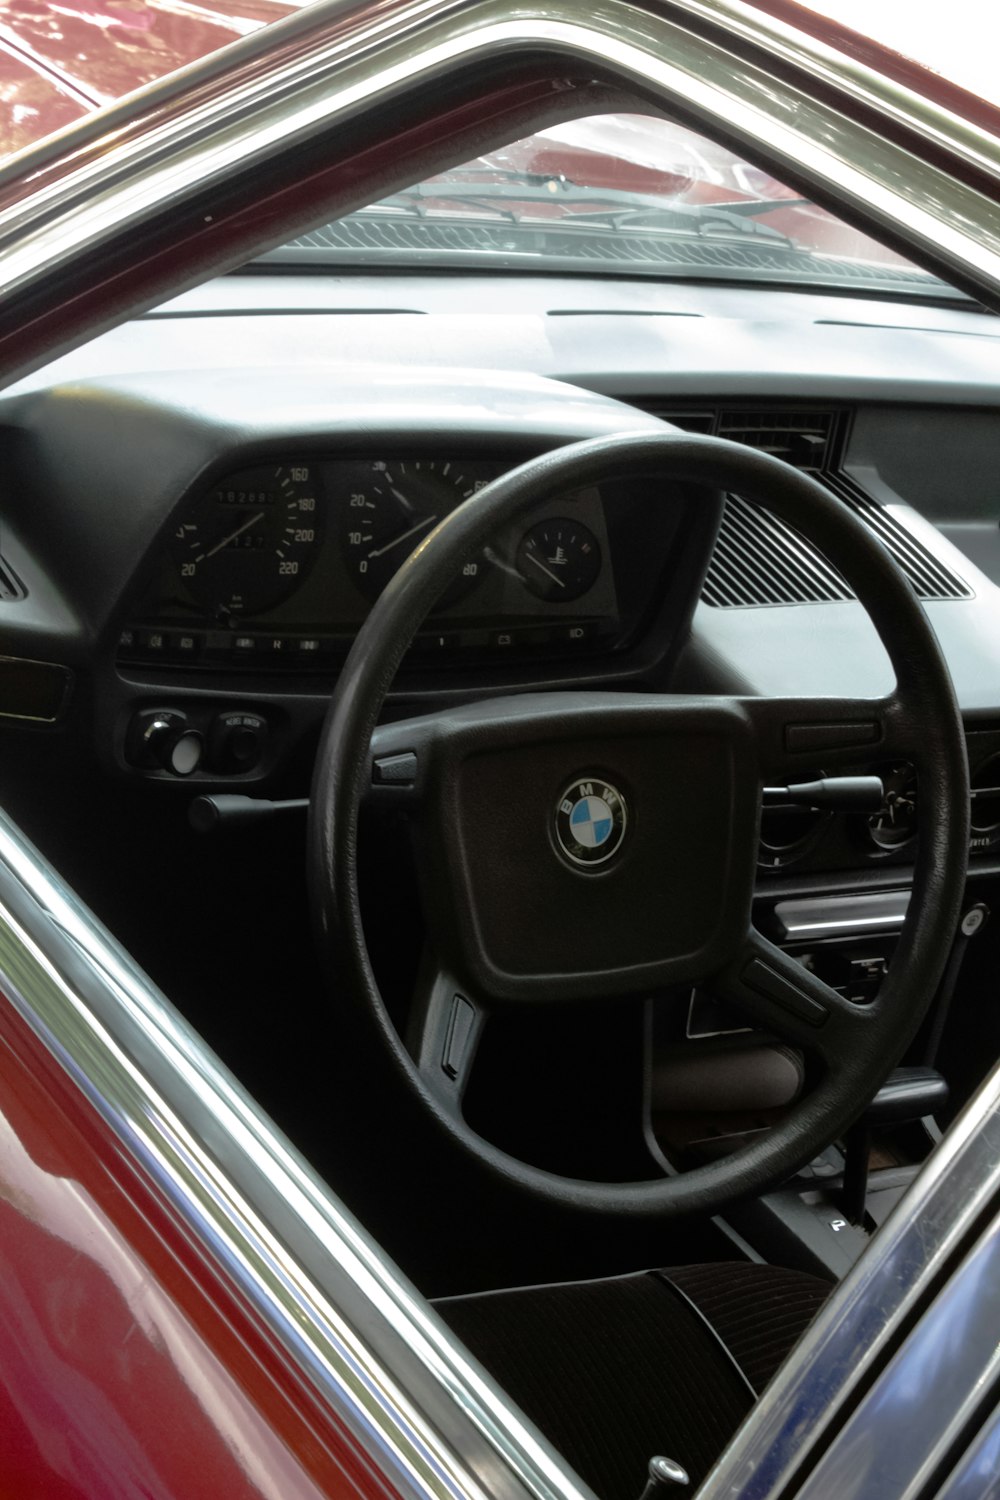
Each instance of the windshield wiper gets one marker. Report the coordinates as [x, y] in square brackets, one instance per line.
[613, 207]
[752, 206]
[500, 224]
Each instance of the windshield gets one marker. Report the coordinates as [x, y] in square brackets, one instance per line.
[624, 195]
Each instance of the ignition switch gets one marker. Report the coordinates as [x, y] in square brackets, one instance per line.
[236, 742]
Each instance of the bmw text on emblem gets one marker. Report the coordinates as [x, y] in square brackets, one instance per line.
[590, 821]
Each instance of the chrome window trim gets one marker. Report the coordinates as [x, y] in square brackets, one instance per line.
[427, 1415]
[901, 1270]
[370, 54]
[909, 1427]
[978, 1467]
[894, 101]
[439, 1425]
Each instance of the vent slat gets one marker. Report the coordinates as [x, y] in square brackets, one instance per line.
[930, 578]
[11, 587]
[758, 560]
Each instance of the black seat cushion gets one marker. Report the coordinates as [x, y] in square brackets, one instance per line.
[613, 1371]
[759, 1312]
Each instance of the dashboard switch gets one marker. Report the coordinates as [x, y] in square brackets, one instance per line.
[163, 739]
[185, 753]
[236, 742]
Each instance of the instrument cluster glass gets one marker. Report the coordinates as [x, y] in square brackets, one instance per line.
[250, 541]
[310, 543]
[391, 506]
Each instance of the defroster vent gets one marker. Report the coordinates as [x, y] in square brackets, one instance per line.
[759, 560]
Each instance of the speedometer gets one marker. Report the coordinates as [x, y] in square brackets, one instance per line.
[248, 543]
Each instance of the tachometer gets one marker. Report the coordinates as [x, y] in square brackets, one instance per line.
[247, 544]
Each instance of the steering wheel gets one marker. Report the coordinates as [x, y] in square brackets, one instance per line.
[592, 846]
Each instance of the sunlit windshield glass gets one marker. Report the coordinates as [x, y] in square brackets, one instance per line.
[612, 195]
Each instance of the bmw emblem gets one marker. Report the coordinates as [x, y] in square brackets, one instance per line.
[590, 822]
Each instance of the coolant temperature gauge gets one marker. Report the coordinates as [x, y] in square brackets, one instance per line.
[558, 559]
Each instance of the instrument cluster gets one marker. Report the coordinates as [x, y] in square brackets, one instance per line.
[280, 561]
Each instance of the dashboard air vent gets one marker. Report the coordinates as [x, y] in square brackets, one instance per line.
[758, 560]
[11, 587]
[802, 440]
[929, 577]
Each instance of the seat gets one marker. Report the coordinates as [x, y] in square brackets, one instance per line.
[616, 1370]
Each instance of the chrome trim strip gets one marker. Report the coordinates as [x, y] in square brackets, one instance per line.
[828, 916]
[898, 104]
[446, 1432]
[978, 1468]
[929, 1228]
[433, 1421]
[921, 1408]
[844, 928]
[353, 60]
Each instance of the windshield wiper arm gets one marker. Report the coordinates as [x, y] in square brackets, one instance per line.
[751, 207]
[614, 206]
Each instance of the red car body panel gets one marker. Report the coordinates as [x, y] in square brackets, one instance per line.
[96, 52]
[34, 100]
[132, 1365]
[130, 1368]
[99, 50]
[645, 154]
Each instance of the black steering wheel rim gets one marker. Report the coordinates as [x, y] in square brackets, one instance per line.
[923, 698]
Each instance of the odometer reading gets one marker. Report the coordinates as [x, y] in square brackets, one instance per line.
[247, 544]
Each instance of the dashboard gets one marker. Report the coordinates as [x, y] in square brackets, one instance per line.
[200, 508]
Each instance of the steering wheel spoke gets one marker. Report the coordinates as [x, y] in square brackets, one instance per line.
[791, 1002]
[797, 734]
[443, 1035]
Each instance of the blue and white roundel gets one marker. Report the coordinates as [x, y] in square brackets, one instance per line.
[590, 821]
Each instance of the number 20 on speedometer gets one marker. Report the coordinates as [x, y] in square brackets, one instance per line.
[247, 544]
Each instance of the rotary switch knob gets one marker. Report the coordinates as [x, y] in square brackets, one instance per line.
[236, 742]
[165, 739]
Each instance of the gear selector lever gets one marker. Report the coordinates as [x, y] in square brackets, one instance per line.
[907, 1094]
